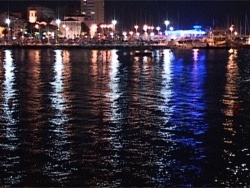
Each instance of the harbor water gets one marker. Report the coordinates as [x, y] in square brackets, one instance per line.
[82, 117]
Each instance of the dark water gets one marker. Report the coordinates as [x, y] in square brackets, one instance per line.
[106, 118]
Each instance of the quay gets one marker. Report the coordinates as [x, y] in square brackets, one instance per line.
[113, 46]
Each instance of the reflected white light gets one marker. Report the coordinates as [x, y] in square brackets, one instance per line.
[8, 107]
[195, 54]
[113, 95]
[166, 89]
[8, 87]
[59, 126]
[56, 97]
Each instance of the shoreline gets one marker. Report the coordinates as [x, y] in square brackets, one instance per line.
[119, 46]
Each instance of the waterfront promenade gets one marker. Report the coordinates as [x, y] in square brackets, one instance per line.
[107, 44]
[113, 46]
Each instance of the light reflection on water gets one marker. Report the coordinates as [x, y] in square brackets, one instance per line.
[9, 140]
[106, 118]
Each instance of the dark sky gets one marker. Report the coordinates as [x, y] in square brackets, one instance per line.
[180, 13]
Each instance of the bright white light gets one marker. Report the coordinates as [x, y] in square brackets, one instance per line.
[145, 27]
[58, 21]
[7, 21]
[114, 22]
[167, 22]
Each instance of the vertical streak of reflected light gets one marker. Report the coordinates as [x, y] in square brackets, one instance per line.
[231, 88]
[195, 54]
[10, 122]
[58, 101]
[230, 98]
[166, 83]
[113, 96]
[59, 120]
[8, 95]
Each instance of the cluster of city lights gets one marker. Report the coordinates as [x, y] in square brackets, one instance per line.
[109, 30]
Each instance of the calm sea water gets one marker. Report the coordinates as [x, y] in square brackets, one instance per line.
[107, 118]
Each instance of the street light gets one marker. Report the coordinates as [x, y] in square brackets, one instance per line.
[131, 34]
[145, 28]
[7, 21]
[114, 22]
[167, 23]
[58, 21]
[231, 29]
[38, 27]
[124, 33]
[158, 29]
[136, 28]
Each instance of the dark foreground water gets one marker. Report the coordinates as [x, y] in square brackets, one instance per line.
[106, 118]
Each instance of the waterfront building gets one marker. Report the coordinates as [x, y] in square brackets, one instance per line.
[39, 13]
[196, 32]
[71, 26]
[93, 10]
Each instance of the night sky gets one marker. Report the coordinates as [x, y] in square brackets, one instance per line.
[181, 14]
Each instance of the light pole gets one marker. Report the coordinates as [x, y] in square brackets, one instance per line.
[7, 21]
[145, 28]
[131, 34]
[38, 27]
[136, 28]
[167, 23]
[231, 29]
[158, 29]
[124, 33]
[58, 21]
[114, 22]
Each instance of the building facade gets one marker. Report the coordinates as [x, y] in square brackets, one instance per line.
[93, 10]
[71, 27]
[39, 13]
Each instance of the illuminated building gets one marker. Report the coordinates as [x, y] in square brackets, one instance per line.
[39, 13]
[93, 11]
[196, 32]
[71, 27]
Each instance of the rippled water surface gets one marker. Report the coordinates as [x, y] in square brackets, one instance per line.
[107, 118]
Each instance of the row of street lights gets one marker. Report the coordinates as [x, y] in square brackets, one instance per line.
[113, 24]
[145, 27]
